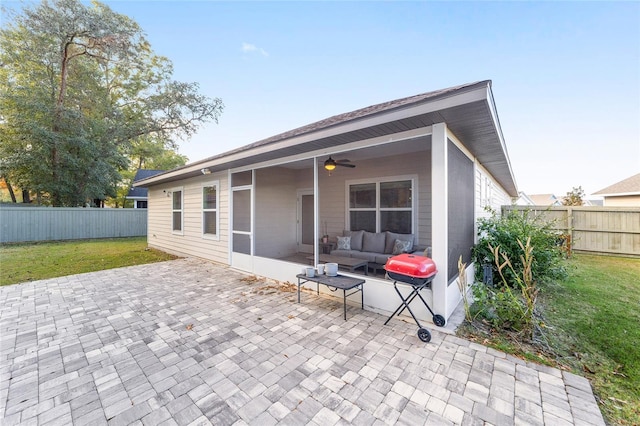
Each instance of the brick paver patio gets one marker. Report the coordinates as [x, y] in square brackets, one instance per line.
[190, 342]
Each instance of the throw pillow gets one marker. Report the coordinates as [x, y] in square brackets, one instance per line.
[344, 243]
[400, 247]
[356, 239]
[391, 238]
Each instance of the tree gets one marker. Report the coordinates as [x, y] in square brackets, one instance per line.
[80, 88]
[574, 197]
[146, 153]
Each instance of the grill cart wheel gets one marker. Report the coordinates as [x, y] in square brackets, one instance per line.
[424, 335]
[438, 320]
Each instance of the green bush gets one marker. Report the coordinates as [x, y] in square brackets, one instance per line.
[501, 308]
[506, 307]
[505, 231]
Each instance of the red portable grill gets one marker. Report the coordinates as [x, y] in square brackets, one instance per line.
[417, 271]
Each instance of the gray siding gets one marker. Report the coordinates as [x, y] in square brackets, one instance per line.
[22, 224]
[333, 190]
[275, 206]
[191, 241]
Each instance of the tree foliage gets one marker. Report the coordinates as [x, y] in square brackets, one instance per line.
[146, 153]
[505, 231]
[575, 197]
[81, 92]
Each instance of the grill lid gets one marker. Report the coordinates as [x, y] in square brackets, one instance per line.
[411, 265]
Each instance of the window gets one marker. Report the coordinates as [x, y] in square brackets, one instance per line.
[382, 206]
[210, 210]
[177, 211]
[485, 191]
[362, 206]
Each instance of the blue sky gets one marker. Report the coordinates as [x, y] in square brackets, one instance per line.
[566, 75]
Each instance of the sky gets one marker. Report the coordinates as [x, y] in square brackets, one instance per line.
[565, 75]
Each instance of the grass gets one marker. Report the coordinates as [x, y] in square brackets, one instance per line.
[595, 329]
[37, 261]
[591, 327]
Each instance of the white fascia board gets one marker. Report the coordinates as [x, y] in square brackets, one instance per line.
[618, 194]
[471, 96]
[496, 123]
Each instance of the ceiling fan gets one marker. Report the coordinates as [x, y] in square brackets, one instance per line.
[330, 164]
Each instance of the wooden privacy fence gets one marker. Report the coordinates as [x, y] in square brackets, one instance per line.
[21, 224]
[598, 230]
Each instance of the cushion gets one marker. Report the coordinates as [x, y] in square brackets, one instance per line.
[356, 239]
[344, 243]
[390, 241]
[364, 255]
[402, 247]
[373, 242]
[343, 253]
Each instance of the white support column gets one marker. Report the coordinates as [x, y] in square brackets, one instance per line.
[439, 217]
[316, 213]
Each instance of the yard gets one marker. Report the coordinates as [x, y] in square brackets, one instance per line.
[38, 261]
[591, 327]
[594, 321]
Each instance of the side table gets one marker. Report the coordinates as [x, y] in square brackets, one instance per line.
[326, 247]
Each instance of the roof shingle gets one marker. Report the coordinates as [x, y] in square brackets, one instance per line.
[629, 185]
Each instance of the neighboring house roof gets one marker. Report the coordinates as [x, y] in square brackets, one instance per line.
[468, 110]
[524, 200]
[545, 200]
[628, 186]
[139, 192]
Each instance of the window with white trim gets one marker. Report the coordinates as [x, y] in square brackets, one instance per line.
[177, 205]
[210, 217]
[382, 206]
[485, 191]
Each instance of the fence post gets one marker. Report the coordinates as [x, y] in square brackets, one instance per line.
[570, 229]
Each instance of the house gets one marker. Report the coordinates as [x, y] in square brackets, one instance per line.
[139, 194]
[425, 165]
[545, 200]
[625, 193]
[524, 200]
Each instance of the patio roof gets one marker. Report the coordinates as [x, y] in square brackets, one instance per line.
[468, 110]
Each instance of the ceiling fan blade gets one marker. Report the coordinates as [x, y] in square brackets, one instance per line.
[345, 165]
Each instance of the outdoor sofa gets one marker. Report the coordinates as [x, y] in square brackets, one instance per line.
[375, 247]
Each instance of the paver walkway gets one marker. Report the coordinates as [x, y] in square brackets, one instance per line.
[190, 342]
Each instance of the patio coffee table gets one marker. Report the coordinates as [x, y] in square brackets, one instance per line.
[350, 263]
[334, 283]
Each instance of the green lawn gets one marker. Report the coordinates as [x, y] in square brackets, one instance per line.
[594, 327]
[591, 327]
[38, 261]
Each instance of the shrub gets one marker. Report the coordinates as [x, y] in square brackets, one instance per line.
[505, 231]
[505, 307]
